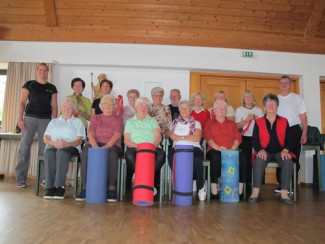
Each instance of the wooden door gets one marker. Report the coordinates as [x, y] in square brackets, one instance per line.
[210, 85]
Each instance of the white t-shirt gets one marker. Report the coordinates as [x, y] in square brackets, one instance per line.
[184, 130]
[242, 113]
[290, 107]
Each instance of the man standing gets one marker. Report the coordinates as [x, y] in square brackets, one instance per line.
[175, 97]
[293, 107]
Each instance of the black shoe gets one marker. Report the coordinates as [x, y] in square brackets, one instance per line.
[49, 193]
[214, 196]
[82, 196]
[111, 196]
[288, 201]
[59, 193]
[253, 199]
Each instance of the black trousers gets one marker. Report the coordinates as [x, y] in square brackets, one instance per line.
[296, 133]
[197, 166]
[215, 164]
[246, 147]
[130, 156]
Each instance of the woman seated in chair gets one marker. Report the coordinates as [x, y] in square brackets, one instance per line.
[185, 130]
[272, 141]
[222, 134]
[63, 137]
[142, 128]
[105, 131]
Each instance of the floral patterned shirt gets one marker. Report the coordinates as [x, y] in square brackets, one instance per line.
[162, 115]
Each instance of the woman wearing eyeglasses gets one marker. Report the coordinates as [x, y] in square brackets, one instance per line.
[272, 141]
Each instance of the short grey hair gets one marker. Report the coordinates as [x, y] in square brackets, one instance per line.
[185, 102]
[175, 90]
[104, 98]
[157, 89]
[72, 103]
[142, 100]
[216, 103]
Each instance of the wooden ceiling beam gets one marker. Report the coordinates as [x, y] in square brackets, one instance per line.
[314, 20]
[175, 36]
[50, 13]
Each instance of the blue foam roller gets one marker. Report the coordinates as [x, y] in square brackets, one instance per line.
[183, 175]
[229, 176]
[97, 175]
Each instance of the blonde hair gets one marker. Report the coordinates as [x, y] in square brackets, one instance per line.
[135, 91]
[219, 93]
[42, 64]
[200, 94]
[250, 93]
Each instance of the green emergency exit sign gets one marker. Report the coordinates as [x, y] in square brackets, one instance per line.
[247, 54]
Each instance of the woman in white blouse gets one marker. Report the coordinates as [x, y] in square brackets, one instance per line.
[245, 119]
[184, 130]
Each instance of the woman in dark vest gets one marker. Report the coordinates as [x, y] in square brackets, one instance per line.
[272, 141]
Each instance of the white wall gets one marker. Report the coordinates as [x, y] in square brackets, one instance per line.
[123, 79]
[132, 65]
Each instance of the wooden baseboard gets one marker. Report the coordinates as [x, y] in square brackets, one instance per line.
[306, 184]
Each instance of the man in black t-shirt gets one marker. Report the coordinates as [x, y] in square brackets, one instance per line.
[175, 97]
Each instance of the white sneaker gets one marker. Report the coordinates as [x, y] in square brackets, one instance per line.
[202, 194]
[194, 185]
[133, 176]
[154, 191]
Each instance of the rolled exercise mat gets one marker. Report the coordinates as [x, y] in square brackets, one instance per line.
[183, 175]
[97, 175]
[143, 188]
[229, 176]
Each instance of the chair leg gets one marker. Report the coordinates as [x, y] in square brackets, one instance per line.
[75, 185]
[294, 183]
[39, 159]
[162, 182]
[118, 178]
[170, 186]
[244, 191]
[209, 184]
[123, 179]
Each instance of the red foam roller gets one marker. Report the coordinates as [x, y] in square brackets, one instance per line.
[143, 190]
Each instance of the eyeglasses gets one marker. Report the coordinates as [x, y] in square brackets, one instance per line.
[107, 103]
[271, 104]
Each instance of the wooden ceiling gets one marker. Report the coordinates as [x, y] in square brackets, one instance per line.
[279, 25]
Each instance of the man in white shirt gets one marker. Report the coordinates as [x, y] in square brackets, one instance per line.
[293, 108]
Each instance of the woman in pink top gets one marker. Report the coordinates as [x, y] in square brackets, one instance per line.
[105, 131]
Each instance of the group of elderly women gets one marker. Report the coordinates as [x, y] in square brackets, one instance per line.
[142, 121]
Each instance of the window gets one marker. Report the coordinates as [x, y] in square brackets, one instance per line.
[3, 80]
